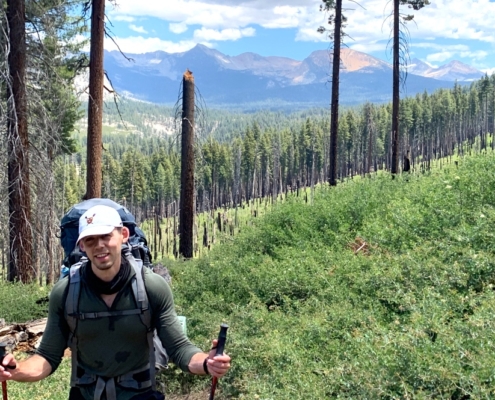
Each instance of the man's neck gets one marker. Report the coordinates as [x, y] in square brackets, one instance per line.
[107, 275]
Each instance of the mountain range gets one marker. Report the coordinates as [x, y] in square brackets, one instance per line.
[250, 80]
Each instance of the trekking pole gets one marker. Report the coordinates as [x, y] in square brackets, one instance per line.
[222, 337]
[4, 383]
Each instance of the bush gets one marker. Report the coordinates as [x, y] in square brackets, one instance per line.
[21, 303]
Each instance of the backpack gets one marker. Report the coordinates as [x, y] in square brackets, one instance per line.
[69, 232]
[158, 358]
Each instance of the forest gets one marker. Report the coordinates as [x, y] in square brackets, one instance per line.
[244, 157]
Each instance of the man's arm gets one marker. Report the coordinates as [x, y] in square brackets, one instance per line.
[33, 369]
[184, 354]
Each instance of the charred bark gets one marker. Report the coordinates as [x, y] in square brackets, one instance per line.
[395, 92]
[187, 168]
[334, 123]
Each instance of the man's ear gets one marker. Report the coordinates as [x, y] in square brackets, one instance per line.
[125, 233]
[81, 245]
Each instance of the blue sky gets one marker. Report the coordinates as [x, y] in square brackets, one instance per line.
[445, 30]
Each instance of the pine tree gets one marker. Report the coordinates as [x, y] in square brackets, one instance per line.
[95, 100]
[21, 237]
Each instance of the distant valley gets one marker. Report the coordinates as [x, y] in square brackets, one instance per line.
[253, 81]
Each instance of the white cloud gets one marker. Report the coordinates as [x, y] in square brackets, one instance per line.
[367, 47]
[368, 23]
[474, 55]
[442, 18]
[223, 14]
[443, 52]
[177, 28]
[437, 46]
[439, 57]
[224, 34]
[139, 44]
[489, 71]
[138, 29]
[124, 18]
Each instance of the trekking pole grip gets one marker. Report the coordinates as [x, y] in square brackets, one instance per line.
[222, 337]
[2, 355]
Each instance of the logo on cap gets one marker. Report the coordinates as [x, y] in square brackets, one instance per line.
[90, 219]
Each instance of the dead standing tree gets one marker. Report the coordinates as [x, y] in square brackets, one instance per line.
[395, 91]
[400, 50]
[20, 254]
[187, 168]
[337, 20]
[95, 101]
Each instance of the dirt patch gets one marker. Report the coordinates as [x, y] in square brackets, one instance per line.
[191, 396]
[360, 246]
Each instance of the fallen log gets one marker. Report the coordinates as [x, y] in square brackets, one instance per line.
[24, 337]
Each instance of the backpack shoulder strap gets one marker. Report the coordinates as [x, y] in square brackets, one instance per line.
[71, 310]
[139, 290]
[141, 297]
[72, 299]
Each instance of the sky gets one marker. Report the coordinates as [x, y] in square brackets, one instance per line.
[443, 31]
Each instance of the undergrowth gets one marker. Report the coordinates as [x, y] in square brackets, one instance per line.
[382, 289]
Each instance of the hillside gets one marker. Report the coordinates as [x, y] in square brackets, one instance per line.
[159, 121]
[383, 289]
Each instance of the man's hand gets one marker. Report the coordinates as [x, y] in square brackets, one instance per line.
[218, 366]
[7, 365]
[32, 369]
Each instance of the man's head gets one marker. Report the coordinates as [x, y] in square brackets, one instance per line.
[101, 235]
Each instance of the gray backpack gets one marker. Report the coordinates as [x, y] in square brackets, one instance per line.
[158, 358]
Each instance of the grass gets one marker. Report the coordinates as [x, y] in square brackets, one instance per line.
[382, 289]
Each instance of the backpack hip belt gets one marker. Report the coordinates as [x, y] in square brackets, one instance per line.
[138, 379]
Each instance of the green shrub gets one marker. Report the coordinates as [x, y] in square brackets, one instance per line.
[21, 303]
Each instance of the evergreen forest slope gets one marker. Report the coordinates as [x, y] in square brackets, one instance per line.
[383, 289]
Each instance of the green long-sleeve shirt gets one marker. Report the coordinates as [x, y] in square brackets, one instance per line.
[113, 346]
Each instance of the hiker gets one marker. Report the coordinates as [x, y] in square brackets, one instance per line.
[112, 357]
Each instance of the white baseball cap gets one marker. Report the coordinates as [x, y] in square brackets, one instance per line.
[98, 220]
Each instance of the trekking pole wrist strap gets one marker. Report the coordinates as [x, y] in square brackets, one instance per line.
[205, 366]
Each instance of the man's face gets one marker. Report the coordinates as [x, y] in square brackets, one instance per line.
[104, 250]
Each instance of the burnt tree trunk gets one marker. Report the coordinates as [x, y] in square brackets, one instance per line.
[95, 101]
[20, 233]
[395, 93]
[187, 168]
[370, 128]
[334, 123]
